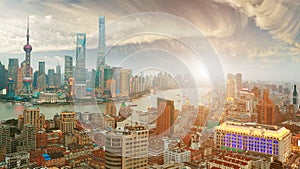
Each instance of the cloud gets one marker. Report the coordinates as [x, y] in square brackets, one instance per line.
[68, 17]
[48, 17]
[280, 18]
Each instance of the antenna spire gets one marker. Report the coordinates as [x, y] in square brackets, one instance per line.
[27, 30]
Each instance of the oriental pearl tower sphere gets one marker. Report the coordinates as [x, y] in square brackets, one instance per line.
[27, 80]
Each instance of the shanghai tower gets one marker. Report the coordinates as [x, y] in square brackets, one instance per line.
[99, 80]
[101, 43]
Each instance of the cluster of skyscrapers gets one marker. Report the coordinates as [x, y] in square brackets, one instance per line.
[104, 81]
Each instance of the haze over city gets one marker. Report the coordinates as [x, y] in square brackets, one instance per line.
[259, 38]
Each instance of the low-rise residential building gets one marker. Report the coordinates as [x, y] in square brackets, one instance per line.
[178, 155]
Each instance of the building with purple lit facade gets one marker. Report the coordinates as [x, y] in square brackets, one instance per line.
[254, 138]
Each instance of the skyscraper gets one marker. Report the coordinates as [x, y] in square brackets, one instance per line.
[80, 71]
[125, 75]
[101, 43]
[4, 76]
[10, 93]
[238, 80]
[42, 66]
[116, 77]
[41, 80]
[35, 79]
[107, 75]
[99, 79]
[165, 117]
[58, 76]
[231, 86]
[265, 110]
[295, 99]
[68, 69]
[13, 65]
[51, 78]
[27, 79]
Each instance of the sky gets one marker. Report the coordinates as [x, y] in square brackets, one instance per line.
[259, 38]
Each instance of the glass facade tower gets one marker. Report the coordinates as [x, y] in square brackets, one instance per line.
[101, 43]
[68, 68]
[80, 71]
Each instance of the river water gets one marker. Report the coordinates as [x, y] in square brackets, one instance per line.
[180, 96]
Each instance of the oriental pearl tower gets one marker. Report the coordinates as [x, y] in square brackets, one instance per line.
[27, 80]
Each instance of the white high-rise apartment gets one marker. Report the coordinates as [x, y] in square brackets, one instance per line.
[127, 148]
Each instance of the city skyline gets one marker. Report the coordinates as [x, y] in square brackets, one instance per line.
[245, 37]
[150, 84]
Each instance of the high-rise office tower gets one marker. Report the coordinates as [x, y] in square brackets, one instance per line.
[58, 76]
[238, 81]
[127, 149]
[99, 79]
[42, 66]
[4, 76]
[111, 87]
[116, 77]
[67, 122]
[295, 99]
[125, 75]
[51, 78]
[35, 79]
[80, 71]
[27, 78]
[166, 117]
[101, 43]
[137, 84]
[68, 69]
[13, 65]
[10, 93]
[91, 78]
[231, 86]
[266, 110]
[41, 81]
[107, 75]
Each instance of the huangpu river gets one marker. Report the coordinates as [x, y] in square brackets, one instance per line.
[195, 96]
